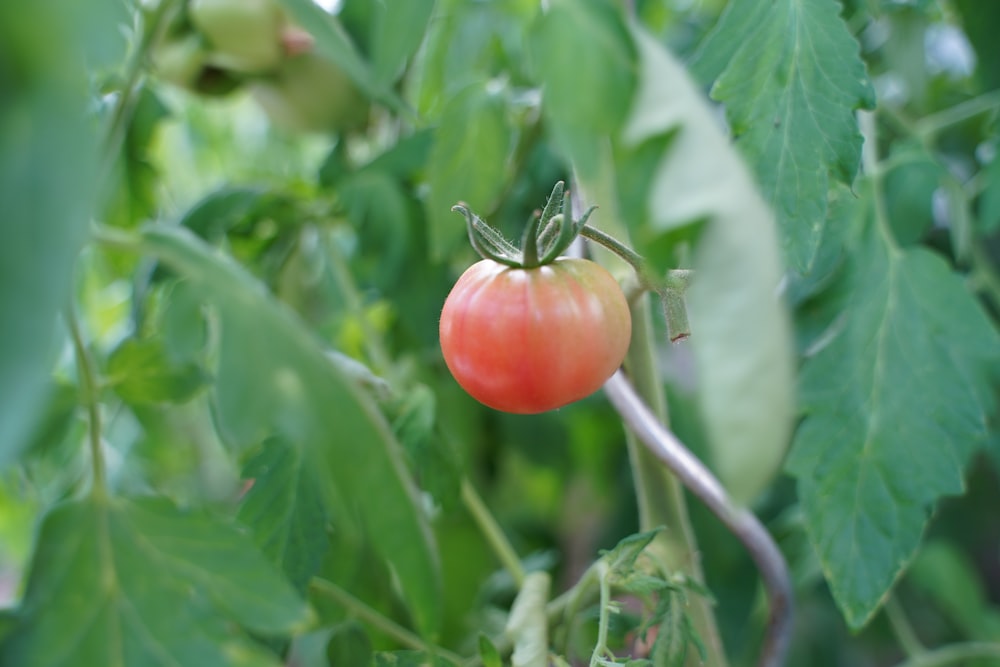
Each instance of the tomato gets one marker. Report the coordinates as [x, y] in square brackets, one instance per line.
[530, 340]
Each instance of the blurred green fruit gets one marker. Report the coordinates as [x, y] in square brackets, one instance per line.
[244, 35]
[311, 94]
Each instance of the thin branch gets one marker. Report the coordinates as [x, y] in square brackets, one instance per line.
[902, 629]
[696, 477]
[377, 620]
[953, 654]
[91, 399]
[494, 534]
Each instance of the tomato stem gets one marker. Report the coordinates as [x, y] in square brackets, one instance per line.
[89, 389]
[493, 532]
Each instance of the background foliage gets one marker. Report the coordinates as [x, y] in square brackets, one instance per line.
[227, 435]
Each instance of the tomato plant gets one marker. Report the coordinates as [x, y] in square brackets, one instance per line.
[530, 340]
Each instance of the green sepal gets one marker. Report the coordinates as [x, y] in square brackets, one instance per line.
[488, 242]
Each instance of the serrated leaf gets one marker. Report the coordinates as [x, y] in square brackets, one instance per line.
[398, 32]
[527, 625]
[894, 407]
[468, 162]
[91, 598]
[284, 511]
[274, 378]
[48, 165]
[621, 558]
[141, 371]
[591, 37]
[744, 372]
[791, 81]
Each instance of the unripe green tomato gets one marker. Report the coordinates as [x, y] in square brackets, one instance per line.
[308, 93]
[180, 60]
[244, 35]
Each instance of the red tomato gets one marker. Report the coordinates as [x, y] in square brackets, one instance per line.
[531, 340]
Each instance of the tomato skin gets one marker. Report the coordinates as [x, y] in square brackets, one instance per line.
[531, 340]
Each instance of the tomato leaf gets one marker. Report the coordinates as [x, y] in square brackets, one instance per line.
[468, 162]
[791, 77]
[284, 510]
[591, 37]
[398, 32]
[48, 164]
[91, 599]
[894, 406]
[989, 203]
[527, 625]
[141, 371]
[745, 372]
[274, 379]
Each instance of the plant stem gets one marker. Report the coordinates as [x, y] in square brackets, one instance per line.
[91, 399]
[928, 126]
[604, 620]
[953, 654]
[634, 259]
[378, 621]
[901, 627]
[742, 523]
[121, 114]
[870, 162]
[494, 534]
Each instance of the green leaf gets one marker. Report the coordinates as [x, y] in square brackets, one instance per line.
[744, 371]
[894, 406]
[989, 203]
[436, 465]
[527, 625]
[48, 164]
[92, 597]
[349, 645]
[284, 510]
[489, 653]
[333, 43]
[591, 37]
[398, 32]
[274, 378]
[140, 371]
[469, 162]
[791, 77]
[909, 192]
[621, 558]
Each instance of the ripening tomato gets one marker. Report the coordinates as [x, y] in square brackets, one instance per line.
[530, 340]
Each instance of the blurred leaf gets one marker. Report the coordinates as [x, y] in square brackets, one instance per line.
[333, 43]
[979, 20]
[989, 203]
[48, 165]
[437, 467]
[91, 599]
[409, 659]
[54, 421]
[222, 210]
[895, 404]
[378, 209]
[588, 36]
[399, 30]
[624, 554]
[745, 374]
[948, 576]
[791, 77]
[469, 162]
[488, 653]
[349, 646]
[527, 625]
[273, 378]
[141, 371]
[909, 192]
[182, 323]
[284, 510]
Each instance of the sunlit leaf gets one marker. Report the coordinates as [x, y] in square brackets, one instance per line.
[140, 583]
[895, 405]
[791, 77]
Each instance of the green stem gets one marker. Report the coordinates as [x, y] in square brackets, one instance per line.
[604, 620]
[377, 620]
[495, 536]
[125, 105]
[929, 126]
[901, 627]
[953, 654]
[91, 399]
[634, 259]
[870, 162]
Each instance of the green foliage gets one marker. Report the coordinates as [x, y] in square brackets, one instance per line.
[227, 433]
[118, 613]
[791, 79]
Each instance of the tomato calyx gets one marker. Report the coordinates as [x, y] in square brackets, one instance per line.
[548, 234]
